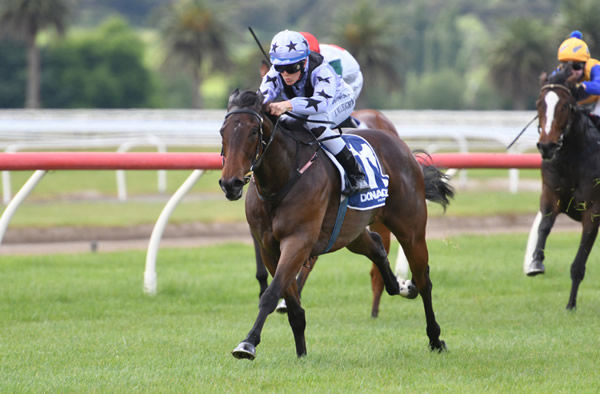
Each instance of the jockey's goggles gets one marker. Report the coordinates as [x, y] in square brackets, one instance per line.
[289, 68]
[577, 66]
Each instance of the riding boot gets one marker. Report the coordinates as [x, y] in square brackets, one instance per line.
[357, 181]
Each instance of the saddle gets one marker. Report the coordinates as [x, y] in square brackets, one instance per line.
[349, 123]
[595, 121]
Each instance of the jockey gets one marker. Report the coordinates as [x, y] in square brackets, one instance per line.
[344, 64]
[311, 87]
[587, 70]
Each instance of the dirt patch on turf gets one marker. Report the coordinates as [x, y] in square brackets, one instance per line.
[77, 239]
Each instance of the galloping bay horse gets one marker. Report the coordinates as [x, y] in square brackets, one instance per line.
[292, 216]
[570, 148]
[372, 119]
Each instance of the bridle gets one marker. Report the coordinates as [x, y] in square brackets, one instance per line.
[261, 146]
[567, 129]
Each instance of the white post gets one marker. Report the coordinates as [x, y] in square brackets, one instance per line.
[18, 199]
[159, 228]
[513, 177]
[6, 187]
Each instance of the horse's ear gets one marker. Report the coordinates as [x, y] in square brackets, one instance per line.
[544, 78]
[259, 99]
[232, 96]
[264, 68]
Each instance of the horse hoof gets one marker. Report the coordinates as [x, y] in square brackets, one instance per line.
[281, 307]
[245, 350]
[408, 289]
[536, 267]
[439, 347]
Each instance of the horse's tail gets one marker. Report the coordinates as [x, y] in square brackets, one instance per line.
[437, 188]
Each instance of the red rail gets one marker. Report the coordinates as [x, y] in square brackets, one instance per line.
[212, 161]
[486, 160]
[109, 161]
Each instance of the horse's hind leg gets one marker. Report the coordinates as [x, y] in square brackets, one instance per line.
[376, 279]
[418, 256]
[588, 236]
[370, 244]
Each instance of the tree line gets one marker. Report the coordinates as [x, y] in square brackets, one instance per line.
[432, 54]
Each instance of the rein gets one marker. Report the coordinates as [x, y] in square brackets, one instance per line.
[263, 146]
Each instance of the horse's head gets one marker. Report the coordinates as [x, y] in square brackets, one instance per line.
[555, 106]
[242, 139]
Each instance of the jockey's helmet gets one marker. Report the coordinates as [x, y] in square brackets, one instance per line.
[313, 43]
[574, 49]
[288, 47]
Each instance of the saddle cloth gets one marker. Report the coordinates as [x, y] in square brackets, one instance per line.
[367, 159]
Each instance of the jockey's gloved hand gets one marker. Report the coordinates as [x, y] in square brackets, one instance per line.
[578, 92]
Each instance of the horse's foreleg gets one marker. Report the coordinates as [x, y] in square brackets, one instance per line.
[306, 269]
[261, 271]
[418, 257]
[301, 279]
[588, 236]
[290, 260]
[536, 242]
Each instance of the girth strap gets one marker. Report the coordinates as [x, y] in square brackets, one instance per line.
[339, 220]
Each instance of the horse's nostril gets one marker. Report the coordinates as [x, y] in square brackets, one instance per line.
[231, 184]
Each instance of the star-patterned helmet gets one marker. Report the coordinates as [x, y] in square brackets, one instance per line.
[574, 49]
[288, 47]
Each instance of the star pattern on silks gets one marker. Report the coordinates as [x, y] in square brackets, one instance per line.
[265, 92]
[272, 80]
[320, 79]
[291, 46]
[312, 103]
[274, 47]
[323, 94]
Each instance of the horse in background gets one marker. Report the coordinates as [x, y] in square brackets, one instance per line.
[293, 222]
[569, 145]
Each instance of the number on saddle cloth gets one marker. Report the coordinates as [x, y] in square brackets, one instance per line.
[367, 159]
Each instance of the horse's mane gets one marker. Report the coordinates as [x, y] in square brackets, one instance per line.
[247, 98]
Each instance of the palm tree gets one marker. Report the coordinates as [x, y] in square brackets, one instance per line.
[520, 55]
[582, 15]
[365, 32]
[196, 38]
[25, 19]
